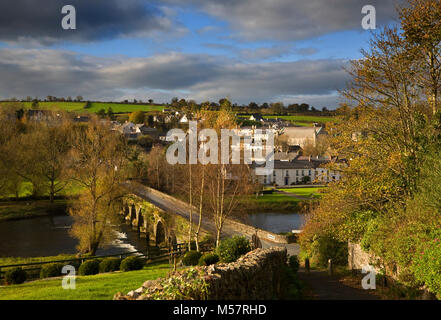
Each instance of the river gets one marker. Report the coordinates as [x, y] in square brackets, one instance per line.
[49, 235]
[277, 222]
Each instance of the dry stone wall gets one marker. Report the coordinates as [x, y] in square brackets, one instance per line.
[256, 276]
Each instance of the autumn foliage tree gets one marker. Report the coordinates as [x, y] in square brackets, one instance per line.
[387, 199]
[98, 161]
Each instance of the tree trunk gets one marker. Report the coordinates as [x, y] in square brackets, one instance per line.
[190, 231]
[200, 209]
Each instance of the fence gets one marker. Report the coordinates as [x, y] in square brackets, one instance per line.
[154, 254]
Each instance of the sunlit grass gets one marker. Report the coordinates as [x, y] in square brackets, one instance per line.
[97, 287]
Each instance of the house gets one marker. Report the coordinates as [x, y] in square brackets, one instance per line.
[256, 117]
[42, 115]
[184, 119]
[81, 119]
[301, 136]
[142, 129]
[301, 170]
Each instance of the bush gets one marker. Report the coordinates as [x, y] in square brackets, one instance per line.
[89, 267]
[231, 249]
[325, 248]
[294, 263]
[110, 264]
[191, 258]
[131, 263]
[51, 270]
[15, 276]
[207, 259]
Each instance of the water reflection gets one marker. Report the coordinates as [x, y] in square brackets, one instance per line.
[277, 222]
[48, 236]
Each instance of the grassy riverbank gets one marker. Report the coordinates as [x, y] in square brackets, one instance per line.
[97, 287]
[21, 260]
[14, 210]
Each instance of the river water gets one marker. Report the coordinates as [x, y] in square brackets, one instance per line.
[277, 222]
[48, 236]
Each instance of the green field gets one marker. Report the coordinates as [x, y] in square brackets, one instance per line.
[312, 192]
[303, 120]
[95, 107]
[274, 202]
[97, 287]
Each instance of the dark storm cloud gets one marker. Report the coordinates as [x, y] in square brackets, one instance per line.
[292, 19]
[200, 77]
[40, 21]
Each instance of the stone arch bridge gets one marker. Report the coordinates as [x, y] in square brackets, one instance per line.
[165, 219]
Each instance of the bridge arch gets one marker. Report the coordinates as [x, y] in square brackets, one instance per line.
[160, 235]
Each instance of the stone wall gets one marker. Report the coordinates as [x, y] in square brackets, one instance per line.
[357, 257]
[256, 276]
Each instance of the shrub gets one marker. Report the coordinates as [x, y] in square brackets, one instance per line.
[89, 267]
[191, 258]
[131, 263]
[325, 248]
[294, 263]
[207, 259]
[51, 270]
[427, 265]
[231, 249]
[110, 264]
[15, 276]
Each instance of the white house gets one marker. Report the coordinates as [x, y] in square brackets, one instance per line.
[300, 171]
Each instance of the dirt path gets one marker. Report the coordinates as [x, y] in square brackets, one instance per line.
[321, 286]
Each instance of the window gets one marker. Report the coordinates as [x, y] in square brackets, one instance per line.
[287, 173]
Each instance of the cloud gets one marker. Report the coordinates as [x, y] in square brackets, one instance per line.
[263, 53]
[45, 72]
[291, 19]
[24, 20]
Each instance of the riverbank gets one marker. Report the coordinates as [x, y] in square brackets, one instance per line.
[25, 209]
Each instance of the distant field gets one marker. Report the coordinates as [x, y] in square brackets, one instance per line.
[95, 106]
[303, 119]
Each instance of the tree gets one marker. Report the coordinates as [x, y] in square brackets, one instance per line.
[388, 198]
[277, 108]
[422, 31]
[98, 163]
[137, 117]
[79, 98]
[110, 113]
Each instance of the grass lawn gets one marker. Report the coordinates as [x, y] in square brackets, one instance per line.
[97, 287]
[95, 106]
[275, 203]
[11, 210]
[305, 192]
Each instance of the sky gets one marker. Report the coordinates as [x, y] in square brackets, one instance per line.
[292, 51]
